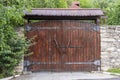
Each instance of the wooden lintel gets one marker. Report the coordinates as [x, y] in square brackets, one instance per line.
[61, 17]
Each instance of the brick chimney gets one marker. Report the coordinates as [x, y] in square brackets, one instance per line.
[75, 4]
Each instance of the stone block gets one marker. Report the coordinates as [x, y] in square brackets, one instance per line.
[105, 68]
[104, 53]
[103, 31]
[108, 39]
[113, 60]
[105, 35]
[105, 44]
[111, 49]
[118, 29]
[117, 64]
[103, 27]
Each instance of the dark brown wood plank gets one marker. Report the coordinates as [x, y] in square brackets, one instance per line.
[53, 52]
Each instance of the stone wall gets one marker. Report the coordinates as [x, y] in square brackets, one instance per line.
[110, 47]
[19, 68]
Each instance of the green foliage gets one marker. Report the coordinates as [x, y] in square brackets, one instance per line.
[103, 4]
[48, 3]
[114, 70]
[86, 3]
[114, 14]
[12, 47]
[111, 8]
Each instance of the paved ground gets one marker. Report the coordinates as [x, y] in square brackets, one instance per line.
[67, 76]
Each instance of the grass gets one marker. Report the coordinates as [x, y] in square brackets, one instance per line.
[116, 70]
[1, 76]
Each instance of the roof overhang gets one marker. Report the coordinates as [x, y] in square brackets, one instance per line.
[63, 14]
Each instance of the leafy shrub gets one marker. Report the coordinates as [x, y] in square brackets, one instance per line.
[11, 54]
[12, 47]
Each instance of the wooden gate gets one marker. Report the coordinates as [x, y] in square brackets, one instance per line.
[63, 46]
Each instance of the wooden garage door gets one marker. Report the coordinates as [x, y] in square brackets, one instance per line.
[63, 46]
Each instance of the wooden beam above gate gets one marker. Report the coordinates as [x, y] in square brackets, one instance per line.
[32, 17]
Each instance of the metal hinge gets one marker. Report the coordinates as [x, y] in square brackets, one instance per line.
[27, 63]
[28, 28]
[97, 62]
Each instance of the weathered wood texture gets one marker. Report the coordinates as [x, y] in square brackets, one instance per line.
[64, 46]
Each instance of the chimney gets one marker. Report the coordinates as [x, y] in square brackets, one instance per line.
[75, 4]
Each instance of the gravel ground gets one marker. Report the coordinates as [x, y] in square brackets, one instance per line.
[67, 76]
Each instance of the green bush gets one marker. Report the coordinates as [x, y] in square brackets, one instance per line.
[11, 54]
[12, 47]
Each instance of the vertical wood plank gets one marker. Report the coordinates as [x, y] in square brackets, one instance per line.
[53, 52]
